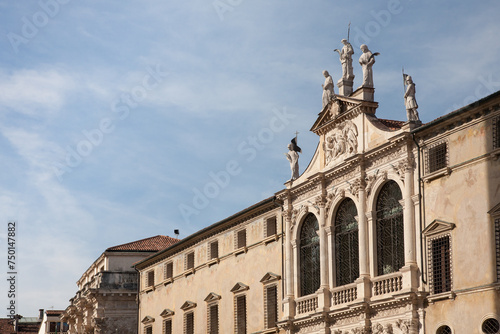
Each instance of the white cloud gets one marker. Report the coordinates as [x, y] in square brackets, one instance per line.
[35, 92]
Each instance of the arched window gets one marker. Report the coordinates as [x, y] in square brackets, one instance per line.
[346, 243]
[390, 229]
[309, 256]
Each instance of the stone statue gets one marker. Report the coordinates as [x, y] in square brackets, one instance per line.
[346, 60]
[328, 93]
[410, 102]
[366, 60]
[293, 158]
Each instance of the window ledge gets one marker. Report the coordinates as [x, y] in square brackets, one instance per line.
[149, 289]
[213, 262]
[271, 238]
[240, 250]
[437, 174]
[189, 272]
[168, 281]
[495, 154]
[441, 296]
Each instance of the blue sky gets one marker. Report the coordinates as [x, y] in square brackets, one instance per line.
[116, 115]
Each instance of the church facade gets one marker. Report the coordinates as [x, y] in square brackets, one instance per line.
[394, 227]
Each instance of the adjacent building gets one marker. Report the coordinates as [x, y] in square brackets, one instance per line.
[107, 291]
[394, 227]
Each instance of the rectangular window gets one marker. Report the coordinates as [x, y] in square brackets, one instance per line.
[167, 326]
[169, 270]
[213, 250]
[496, 133]
[271, 227]
[271, 306]
[440, 254]
[189, 261]
[437, 157]
[240, 314]
[241, 239]
[148, 330]
[150, 278]
[189, 323]
[213, 319]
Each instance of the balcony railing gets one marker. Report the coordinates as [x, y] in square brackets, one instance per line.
[307, 304]
[387, 284]
[344, 294]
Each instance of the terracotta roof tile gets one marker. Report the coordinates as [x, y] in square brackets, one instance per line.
[6, 326]
[392, 124]
[152, 244]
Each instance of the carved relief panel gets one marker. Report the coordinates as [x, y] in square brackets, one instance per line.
[340, 142]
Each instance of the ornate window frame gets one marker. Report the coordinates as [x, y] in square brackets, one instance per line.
[270, 229]
[303, 290]
[240, 241]
[436, 230]
[188, 308]
[271, 281]
[213, 255]
[147, 321]
[189, 263]
[168, 272]
[212, 301]
[337, 257]
[240, 296]
[167, 315]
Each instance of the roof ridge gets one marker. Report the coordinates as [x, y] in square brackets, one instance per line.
[153, 243]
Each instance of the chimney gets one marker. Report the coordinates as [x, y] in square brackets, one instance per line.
[41, 314]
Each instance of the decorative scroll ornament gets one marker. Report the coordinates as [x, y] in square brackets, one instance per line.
[340, 142]
[404, 166]
[355, 186]
[295, 213]
[379, 329]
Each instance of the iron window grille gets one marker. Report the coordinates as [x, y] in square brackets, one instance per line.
[241, 239]
[213, 250]
[169, 270]
[167, 326]
[496, 133]
[271, 227]
[437, 157]
[271, 305]
[240, 314]
[189, 261]
[309, 256]
[490, 326]
[444, 330]
[213, 319]
[189, 323]
[390, 229]
[440, 260]
[346, 243]
[150, 280]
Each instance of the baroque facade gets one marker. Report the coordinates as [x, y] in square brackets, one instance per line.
[394, 227]
[107, 291]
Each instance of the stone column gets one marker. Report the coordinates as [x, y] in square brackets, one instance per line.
[408, 216]
[324, 290]
[410, 270]
[288, 301]
[363, 282]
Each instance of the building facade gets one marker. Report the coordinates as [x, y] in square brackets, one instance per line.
[106, 299]
[394, 227]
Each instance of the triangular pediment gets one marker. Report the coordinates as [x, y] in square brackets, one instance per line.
[438, 226]
[239, 287]
[147, 320]
[270, 277]
[188, 305]
[495, 211]
[212, 297]
[167, 313]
